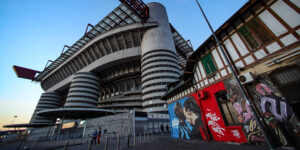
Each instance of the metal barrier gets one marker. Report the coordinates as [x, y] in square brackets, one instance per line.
[110, 141]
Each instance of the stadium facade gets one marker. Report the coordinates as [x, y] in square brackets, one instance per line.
[122, 63]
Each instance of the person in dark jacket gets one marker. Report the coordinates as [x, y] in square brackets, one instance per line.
[167, 128]
[94, 136]
[162, 128]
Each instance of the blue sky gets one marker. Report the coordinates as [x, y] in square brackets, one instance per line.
[34, 31]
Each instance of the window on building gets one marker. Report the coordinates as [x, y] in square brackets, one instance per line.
[227, 110]
[246, 34]
[208, 64]
[254, 33]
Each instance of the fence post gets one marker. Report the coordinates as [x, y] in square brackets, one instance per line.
[128, 142]
[86, 140]
[148, 136]
[19, 145]
[90, 144]
[140, 137]
[57, 142]
[133, 139]
[106, 143]
[118, 142]
[33, 145]
[152, 136]
[66, 145]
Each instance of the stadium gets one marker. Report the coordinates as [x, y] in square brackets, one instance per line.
[120, 65]
[133, 73]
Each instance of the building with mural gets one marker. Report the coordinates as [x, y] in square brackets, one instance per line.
[262, 43]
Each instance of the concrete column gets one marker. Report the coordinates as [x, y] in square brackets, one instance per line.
[84, 91]
[159, 60]
[49, 100]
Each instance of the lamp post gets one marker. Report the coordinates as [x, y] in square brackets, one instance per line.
[256, 116]
[13, 120]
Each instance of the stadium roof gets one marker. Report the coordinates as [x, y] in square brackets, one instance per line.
[120, 16]
[29, 125]
[74, 113]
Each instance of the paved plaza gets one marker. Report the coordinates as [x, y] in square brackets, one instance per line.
[157, 142]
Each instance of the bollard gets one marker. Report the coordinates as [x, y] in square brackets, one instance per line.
[140, 137]
[19, 146]
[133, 139]
[148, 136]
[66, 145]
[86, 140]
[118, 142]
[106, 143]
[33, 146]
[90, 144]
[152, 136]
[128, 142]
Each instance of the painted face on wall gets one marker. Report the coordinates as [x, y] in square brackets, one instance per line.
[240, 118]
[179, 112]
[232, 96]
[180, 127]
[190, 116]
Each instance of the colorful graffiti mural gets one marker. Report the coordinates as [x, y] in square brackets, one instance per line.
[244, 115]
[192, 118]
[269, 102]
[186, 120]
[274, 110]
[224, 115]
[179, 126]
[215, 120]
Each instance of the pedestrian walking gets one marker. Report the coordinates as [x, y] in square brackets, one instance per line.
[162, 129]
[167, 128]
[99, 135]
[94, 136]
